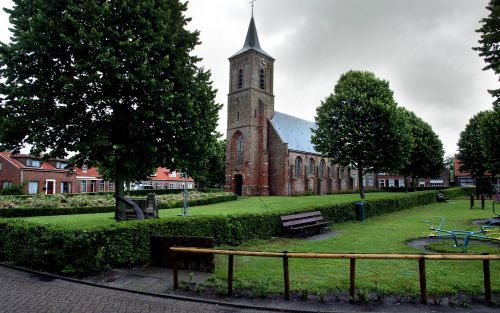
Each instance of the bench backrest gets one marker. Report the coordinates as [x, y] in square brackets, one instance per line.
[302, 218]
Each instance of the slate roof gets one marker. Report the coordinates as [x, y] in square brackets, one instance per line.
[252, 41]
[294, 131]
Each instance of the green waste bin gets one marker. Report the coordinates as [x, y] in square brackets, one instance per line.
[360, 211]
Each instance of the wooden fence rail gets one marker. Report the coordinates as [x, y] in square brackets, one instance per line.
[285, 255]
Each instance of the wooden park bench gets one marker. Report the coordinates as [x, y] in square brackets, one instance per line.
[304, 222]
[440, 197]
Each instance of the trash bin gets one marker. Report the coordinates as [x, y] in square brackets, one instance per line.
[360, 211]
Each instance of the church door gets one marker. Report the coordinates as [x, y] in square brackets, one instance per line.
[238, 179]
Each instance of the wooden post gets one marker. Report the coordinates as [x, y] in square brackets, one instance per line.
[471, 201]
[174, 270]
[286, 277]
[482, 201]
[230, 275]
[423, 280]
[352, 289]
[487, 281]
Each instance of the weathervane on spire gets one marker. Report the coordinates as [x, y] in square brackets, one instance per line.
[251, 3]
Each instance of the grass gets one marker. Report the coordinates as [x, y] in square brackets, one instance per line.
[382, 234]
[241, 206]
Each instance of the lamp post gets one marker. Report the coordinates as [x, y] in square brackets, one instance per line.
[185, 201]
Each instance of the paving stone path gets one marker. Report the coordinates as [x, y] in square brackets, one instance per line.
[25, 293]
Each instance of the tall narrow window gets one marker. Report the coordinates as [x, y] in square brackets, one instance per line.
[262, 82]
[240, 79]
[298, 167]
[239, 150]
[322, 169]
[310, 168]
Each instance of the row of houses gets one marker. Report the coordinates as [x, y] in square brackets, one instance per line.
[52, 176]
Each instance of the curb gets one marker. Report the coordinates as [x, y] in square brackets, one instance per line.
[165, 296]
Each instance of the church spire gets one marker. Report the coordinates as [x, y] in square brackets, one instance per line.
[252, 41]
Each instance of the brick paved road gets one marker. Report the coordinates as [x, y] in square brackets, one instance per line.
[22, 292]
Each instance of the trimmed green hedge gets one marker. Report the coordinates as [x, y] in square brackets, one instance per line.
[26, 212]
[78, 252]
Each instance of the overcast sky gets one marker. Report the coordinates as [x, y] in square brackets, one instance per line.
[423, 48]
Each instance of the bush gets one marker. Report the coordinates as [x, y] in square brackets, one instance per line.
[12, 190]
[411, 189]
[80, 252]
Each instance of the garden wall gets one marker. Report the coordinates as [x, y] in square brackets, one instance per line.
[79, 252]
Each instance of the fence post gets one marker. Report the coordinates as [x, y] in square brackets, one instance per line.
[352, 289]
[230, 275]
[471, 201]
[482, 201]
[286, 276]
[423, 280]
[174, 270]
[487, 281]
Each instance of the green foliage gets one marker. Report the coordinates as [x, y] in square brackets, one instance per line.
[489, 44]
[116, 82]
[359, 125]
[489, 137]
[426, 150]
[75, 251]
[212, 170]
[12, 190]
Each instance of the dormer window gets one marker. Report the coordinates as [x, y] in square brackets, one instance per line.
[172, 174]
[61, 165]
[240, 79]
[32, 163]
[261, 79]
[85, 168]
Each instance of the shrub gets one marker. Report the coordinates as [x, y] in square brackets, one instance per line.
[12, 190]
[78, 252]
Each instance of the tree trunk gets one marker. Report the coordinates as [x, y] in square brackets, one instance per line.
[119, 188]
[414, 178]
[360, 182]
[406, 183]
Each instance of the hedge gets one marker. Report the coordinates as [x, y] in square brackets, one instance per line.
[81, 252]
[26, 212]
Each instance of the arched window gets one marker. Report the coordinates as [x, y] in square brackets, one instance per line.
[310, 168]
[262, 82]
[240, 78]
[322, 169]
[238, 148]
[298, 167]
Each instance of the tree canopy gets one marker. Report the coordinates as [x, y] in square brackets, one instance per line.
[113, 81]
[470, 151]
[211, 172]
[426, 149]
[359, 126]
[489, 47]
[489, 137]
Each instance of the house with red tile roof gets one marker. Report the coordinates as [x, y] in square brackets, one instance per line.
[164, 178]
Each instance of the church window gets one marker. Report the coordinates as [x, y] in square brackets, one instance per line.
[261, 79]
[255, 113]
[239, 148]
[240, 79]
[310, 169]
[298, 167]
[322, 169]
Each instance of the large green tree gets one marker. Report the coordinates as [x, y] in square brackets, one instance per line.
[211, 172]
[426, 149]
[489, 134]
[359, 126]
[470, 151]
[113, 81]
[489, 47]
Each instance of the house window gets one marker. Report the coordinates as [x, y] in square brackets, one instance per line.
[6, 184]
[381, 183]
[32, 163]
[61, 165]
[298, 167]
[158, 185]
[240, 79]
[101, 186]
[33, 187]
[85, 168]
[171, 186]
[310, 168]
[190, 186]
[172, 174]
[83, 186]
[261, 79]
[65, 187]
[111, 186]
[354, 180]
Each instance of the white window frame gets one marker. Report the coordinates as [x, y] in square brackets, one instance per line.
[172, 174]
[30, 184]
[83, 183]
[6, 184]
[29, 163]
[69, 186]
[47, 185]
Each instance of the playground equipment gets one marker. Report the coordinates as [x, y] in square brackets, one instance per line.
[487, 232]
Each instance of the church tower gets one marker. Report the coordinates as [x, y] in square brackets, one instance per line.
[250, 106]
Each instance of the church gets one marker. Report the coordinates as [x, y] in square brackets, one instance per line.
[268, 152]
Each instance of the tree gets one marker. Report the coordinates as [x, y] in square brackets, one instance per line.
[449, 164]
[490, 43]
[470, 151]
[489, 134]
[212, 171]
[426, 150]
[359, 126]
[113, 81]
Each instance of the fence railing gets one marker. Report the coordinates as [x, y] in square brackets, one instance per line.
[285, 255]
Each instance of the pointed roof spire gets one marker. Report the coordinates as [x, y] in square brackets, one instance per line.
[252, 41]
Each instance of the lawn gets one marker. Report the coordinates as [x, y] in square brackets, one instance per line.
[241, 206]
[385, 234]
